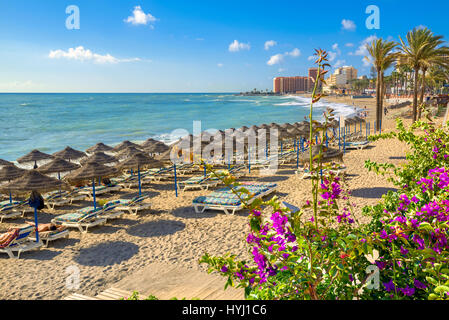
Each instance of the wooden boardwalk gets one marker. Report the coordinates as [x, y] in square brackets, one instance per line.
[166, 282]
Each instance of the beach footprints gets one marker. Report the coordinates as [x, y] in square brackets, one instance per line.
[73, 20]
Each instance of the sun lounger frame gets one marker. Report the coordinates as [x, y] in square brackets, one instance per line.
[229, 209]
[21, 245]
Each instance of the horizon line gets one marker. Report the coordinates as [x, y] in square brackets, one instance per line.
[117, 92]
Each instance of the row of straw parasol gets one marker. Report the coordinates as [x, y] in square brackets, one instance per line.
[22, 181]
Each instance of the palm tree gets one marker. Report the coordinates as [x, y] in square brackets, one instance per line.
[421, 50]
[382, 58]
[435, 56]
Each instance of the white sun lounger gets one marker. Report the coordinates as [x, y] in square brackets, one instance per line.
[14, 210]
[356, 145]
[82, 219]
[48, 236]
[100, 190]
[21, 243]
[307, 174]
[200, 182]
[56, 199]
[227, 201]
[132, 206]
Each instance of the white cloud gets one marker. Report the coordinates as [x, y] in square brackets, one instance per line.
[237, 46]
[82, 54]
[310, 58]
[349, 45]
[339, 63]
[199, 39]
[141, 18]
[331, 56]
[348, 25]
[282, 70]
[294, 53]
[276, 59]
[219, 65]
[362, 51]
[269, 44]
[366, 61]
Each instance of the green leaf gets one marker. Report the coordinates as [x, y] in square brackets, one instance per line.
[432, 281]
[441, 289]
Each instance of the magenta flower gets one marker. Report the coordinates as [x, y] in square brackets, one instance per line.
[389, 286]
[419, 285]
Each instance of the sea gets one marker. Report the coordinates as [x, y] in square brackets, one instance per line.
[50, 122]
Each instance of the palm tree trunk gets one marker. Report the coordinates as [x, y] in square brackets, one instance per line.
[423, 86]
[415, 94]
[381, 100]
[378, 100]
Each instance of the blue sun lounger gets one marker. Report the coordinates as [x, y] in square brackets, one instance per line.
[227, 201]
[19, 241]
[82, 219]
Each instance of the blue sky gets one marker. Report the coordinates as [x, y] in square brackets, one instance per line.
[189, 46]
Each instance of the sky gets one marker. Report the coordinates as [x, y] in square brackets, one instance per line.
[190, 46]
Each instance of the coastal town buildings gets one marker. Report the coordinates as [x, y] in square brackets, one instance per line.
[341, 78]
[298, 84]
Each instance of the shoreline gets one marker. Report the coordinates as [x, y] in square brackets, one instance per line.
[170, 234]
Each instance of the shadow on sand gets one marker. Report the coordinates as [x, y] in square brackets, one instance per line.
[156, 228]
[106, 254]
[371, 193]
[189, 213]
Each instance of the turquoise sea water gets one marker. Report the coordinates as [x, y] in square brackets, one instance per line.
[50, 122]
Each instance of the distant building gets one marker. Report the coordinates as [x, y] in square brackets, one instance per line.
[342, 77]
[290, 84]
[313, 74]
[295, 84]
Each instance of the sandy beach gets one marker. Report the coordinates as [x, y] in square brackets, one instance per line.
[171, 234]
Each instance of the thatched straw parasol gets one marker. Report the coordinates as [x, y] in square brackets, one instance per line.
[101, 158]
[295, 132]
[34, 156]
[4, 163]
[126, 144]
[34, 181]
[128, 152]
[58, 165]
[11, 172]
[100, 147]
[157, 148]
[91, 170]
[69, 154]
[139, 161]
[148, 143]
[286, 126]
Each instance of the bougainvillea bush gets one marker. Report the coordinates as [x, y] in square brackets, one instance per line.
[323, 252]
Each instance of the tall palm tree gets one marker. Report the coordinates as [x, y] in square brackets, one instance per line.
[436, 55]
[382, 58]
[421, 50]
